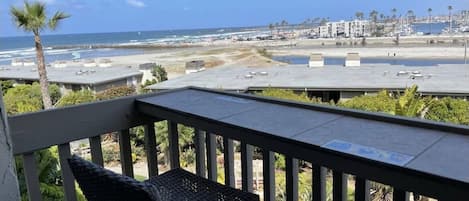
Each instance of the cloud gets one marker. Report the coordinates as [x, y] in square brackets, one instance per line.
[136, 3]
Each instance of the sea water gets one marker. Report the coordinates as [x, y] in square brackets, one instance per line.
[68, 46]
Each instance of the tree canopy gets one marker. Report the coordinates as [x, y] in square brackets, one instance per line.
[409, 103]
[32, 17]
[76, 97]
[27, 98]
[115, 92]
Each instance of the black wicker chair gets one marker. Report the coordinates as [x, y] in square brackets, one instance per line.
[99, 184]
[178, 184]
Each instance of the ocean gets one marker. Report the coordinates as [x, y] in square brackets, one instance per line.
[70, 46]
[74, 46]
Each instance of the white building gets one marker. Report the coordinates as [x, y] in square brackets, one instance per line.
[355, 28]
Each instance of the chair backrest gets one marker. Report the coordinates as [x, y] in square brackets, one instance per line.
[99, 184]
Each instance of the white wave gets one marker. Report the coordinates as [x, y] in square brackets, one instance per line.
[17, 51]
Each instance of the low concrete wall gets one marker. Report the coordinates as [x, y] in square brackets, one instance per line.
[316, 64]
[9, 189]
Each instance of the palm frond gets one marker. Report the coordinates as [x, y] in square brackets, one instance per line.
[19, 17]
[54, 21]
[32, 17]
[36, 9]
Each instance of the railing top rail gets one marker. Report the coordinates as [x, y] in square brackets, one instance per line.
[39, 130]
[408, 121]
[387, 148]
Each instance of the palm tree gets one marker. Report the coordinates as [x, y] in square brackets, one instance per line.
[284, 23]
[450, 18]
[271, 27]
[32, 18]
[359, 15]
[429, 10]
[410, 104]
[374, 19]
[410, 15]
[394, 10]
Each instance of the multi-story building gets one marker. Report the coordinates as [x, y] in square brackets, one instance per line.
[355, 28]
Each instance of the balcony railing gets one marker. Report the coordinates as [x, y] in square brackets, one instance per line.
[410, 155]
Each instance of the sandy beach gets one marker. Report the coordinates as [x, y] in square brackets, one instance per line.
[248, 53]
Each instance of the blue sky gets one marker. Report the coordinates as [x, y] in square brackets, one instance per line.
[91, 16]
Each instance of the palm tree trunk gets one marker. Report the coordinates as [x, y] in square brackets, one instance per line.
[41, 68]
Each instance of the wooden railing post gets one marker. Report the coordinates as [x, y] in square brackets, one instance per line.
[125, 153]
[339, 189]
[150, 149]
[319, 183]
[173, 145]
[31, 176]
[291, 178]
[268, 158]
[96, 150]
[228, 153]
[199, 141]
[211, 144]
[362, 189]
[246, 167]
[67, 175]
[9, 189]
[400, 195]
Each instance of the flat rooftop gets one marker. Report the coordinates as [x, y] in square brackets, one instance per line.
[444, 79]
[70, 75]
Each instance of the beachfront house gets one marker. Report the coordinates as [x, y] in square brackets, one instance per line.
[73, 78]
[347, 29]
[332, 82]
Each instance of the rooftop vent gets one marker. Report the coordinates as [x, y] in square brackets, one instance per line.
[316, 60]
[402, 73]
[89, 63]
[416, 76]
[82, 72]
[352, 59]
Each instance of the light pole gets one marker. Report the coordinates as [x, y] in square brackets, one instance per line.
[465, 50]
